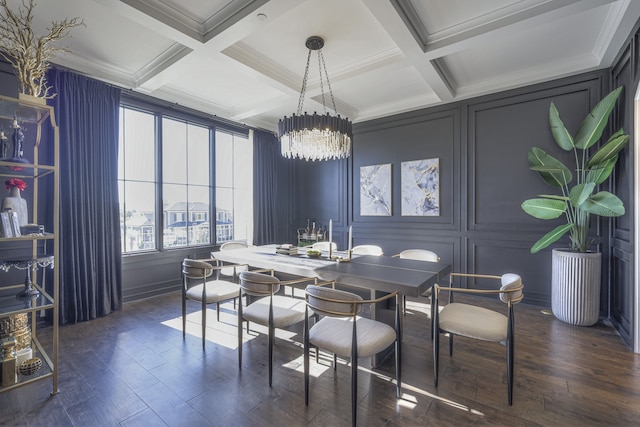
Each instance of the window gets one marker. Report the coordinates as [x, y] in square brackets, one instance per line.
[137, 180]
[165, 166]
[185, 183]
[234, 183]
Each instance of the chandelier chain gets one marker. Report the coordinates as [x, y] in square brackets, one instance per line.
[303, 90]
[324, 65]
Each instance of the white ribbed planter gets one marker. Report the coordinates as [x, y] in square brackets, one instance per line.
[575, 287]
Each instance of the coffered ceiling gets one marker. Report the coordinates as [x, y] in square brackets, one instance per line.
[244, 59]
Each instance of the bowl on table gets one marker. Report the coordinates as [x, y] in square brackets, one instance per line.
[314, 253]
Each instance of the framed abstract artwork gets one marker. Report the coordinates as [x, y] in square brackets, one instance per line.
[420, 187]
[375, 190]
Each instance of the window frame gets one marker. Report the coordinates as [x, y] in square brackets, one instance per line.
[160, 110]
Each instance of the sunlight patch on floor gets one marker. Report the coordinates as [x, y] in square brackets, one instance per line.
[224, 332]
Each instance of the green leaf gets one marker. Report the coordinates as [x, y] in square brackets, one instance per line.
[604, 204]
[609, 150]
[599, 173]
[594, 123]
[544, 208]
[580, 193]
[551, 237]
[552, 170]
[554, 197]
[558, 130]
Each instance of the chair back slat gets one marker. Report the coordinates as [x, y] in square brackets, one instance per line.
[419, 255]
[367, 250]
[333, 302]
[259, 284]
[195, 269]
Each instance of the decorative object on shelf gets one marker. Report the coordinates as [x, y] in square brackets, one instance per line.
[28, 53]
[576, 280]
[4, 145]
[375, 190]
[31, 366]
[14, 201]
[420, 187]
[18, 142]
[32, 229]
[29, 292]
[5, 223]
[9, 361]
[315, 137]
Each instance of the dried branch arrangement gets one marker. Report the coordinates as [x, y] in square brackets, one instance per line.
[28, 53]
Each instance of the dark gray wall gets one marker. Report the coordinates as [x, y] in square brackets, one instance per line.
[482, 147]
[625, 72]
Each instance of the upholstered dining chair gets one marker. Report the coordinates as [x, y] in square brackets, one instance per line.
[367, 250]
[419, 255]
[198, 285]
[233, 245]
[229, 246]
[268, 309]
[344, 333]
[324, 246]
[473, 321]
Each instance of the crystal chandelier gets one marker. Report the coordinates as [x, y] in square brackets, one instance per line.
[314, 136]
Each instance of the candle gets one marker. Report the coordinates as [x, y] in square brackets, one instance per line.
[350, 236]
[330, 232]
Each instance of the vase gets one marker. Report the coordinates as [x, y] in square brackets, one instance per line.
[575, 287]
[16, 203]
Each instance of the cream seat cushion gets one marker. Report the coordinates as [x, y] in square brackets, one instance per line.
[474, 322]
[286, 311]
[216, 290]
[334, 334]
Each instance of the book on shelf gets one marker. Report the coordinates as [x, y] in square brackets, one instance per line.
[15, 225]
[5, 223]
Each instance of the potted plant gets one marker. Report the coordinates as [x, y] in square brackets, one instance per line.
[575, 287]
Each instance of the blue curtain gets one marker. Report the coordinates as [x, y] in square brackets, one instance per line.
[90, 265]
[272, 184]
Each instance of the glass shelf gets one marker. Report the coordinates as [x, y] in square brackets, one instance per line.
[26, 111]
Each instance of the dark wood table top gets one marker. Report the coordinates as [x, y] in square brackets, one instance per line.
[386, 274]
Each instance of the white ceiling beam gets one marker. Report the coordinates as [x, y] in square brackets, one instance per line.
[395, 27]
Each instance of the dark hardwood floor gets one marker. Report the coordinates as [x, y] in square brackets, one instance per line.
[133, 368]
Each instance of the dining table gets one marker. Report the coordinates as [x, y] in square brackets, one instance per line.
[375, 275]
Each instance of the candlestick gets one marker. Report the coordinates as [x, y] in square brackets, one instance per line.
[330, 236]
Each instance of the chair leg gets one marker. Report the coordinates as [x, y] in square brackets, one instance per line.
[240, 334]
[335, 362]
[450, 344]
[204, 322]
[184, 316]
[510, 356]
[354, 390]
[433, 310]
[218, 311]
[306, 359]
[398, 369]
[271, 333]
[436, 352]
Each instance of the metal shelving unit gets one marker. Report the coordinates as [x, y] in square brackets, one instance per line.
[24, 302]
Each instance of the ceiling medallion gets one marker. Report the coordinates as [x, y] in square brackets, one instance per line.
[315, 136]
